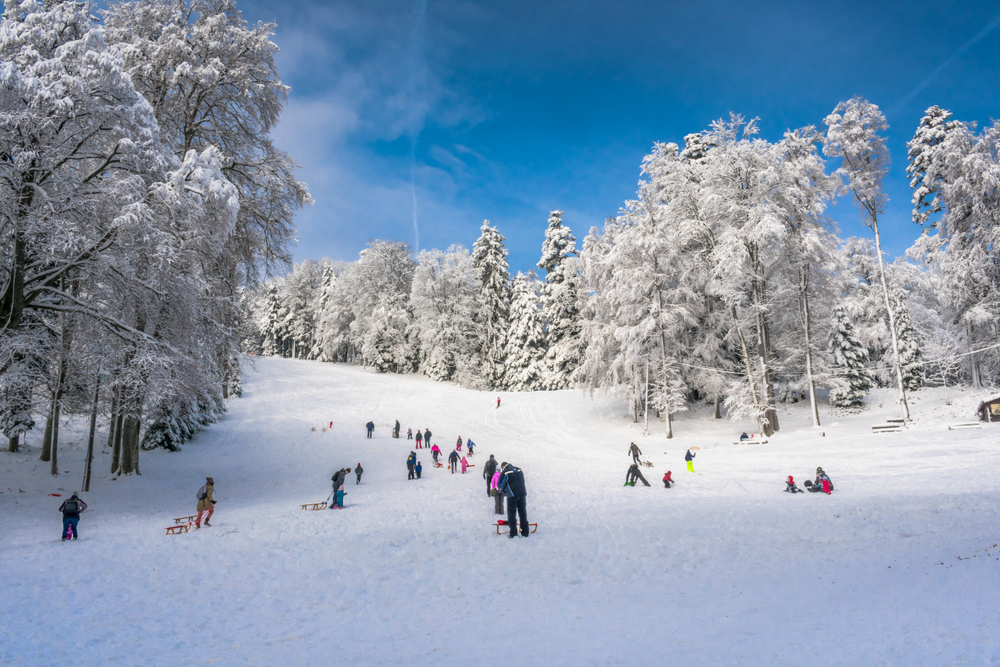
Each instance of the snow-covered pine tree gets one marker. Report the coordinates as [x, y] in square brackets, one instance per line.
[925, 176]
[489, 257]
[526, 340]
[910, 357]
[560, 303]
[852, 382]
[268, 321]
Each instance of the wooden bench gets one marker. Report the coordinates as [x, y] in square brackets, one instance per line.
[186, 519]
[179, 528]
[955, 427]
[533, 526]
[314, 506]
[887, 428]
[751, 441]
[896, 421]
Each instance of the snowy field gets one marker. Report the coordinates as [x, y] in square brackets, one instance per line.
[900, 566]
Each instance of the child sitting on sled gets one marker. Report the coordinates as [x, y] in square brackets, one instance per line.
[790, 486]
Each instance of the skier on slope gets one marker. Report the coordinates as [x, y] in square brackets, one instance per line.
[71, 509]
[453, 461]
[633, 474]
[411, 463]
[488, 471]
[689, 457]
[206, 502]
[634, 451]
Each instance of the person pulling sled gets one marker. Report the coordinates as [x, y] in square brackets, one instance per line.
[206, 502]
[71, 509]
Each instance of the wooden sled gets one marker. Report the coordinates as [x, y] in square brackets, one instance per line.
[438, 465]
[314, 506]
[179, 528]
[751, 441]
[533, 526]
[186, 519]
[964, 425]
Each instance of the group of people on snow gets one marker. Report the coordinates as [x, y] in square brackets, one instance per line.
[507, 481]
[821, 484]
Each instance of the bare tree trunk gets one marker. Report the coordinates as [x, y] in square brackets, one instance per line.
[977, 380]
[12, 443]
[46, 454]
[892, 321]
[718, 406]
[130, 446]
[746, 365]
[770, 425]
[670, 425]
[116, 452]
[112, 423]
[55, 436]
[804, 291]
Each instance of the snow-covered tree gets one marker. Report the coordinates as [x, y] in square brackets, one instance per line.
[525, 357]
[852, 381]
[560, 303]
[910, 358]
[489, 257]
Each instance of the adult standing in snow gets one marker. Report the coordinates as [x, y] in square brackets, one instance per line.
[357, 471]
[512, 486]
[453, 460]
[411, 463]
[635, 452]
[371, 429]
[420, 438]
[488, 471]
[395, 430]
[338, 487]
[689, 457]
[206, 502]
[71, 509]
[427, 437]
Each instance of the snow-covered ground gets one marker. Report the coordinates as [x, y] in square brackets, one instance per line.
[900, 566]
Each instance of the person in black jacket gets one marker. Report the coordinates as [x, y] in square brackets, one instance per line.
[427, 438]
[71, 509]
[357, 471]
[689, 457]
[411, 463]
[338, 488]
[512, 486]
[453, 460]
[371, 429]
[633, 474]
[488, 471]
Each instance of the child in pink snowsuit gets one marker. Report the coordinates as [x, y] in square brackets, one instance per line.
[435, 453]
[465, 465]
[497, 493]
[458, 447]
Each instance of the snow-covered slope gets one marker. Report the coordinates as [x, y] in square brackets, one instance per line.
[899, 566]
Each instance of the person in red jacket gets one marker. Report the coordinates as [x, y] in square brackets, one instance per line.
[667, 480]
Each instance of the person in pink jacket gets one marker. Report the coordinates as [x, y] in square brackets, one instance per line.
[458, 445]
[497, 493]
[435, 453]
[465, 465]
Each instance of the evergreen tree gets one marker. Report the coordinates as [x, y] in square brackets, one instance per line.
[489, 257]
[268, 322]
[526, 340]
[925, 178]
[849, 356]
[560, 296]
[910, 358]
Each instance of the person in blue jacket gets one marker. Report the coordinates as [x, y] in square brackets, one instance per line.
[419, 468]
[512, 486]
[453, 460]
[371, 429]
[411, 465]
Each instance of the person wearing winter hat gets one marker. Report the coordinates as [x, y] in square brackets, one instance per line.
[206, 502]
[71, 509]
[357, 471]
[790, 486]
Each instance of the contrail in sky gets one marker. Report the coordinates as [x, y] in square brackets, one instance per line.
[416, 120]
[948, 61]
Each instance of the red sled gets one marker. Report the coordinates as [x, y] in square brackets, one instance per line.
[501, 523]
[438, 465]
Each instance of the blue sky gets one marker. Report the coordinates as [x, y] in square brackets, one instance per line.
[505, 110]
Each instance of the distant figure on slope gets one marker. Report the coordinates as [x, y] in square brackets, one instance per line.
[357, 471]
[497, 494]
[395, 430]
[409, 434]
[411, 463]
[338, 488]
[790, 486]
[744, 436]
[498, 402]
[822, 483]
[512, 485]
[458, 445]
[206, 502]
[465, 464]
[488, 471]
[371, 429]
[435, 453]
[419, 468]
[71, 509]
[633, 474]
[635, 452]
[668, 481]
[453, 461]
[420, 439]
[427, 437]
[469, 445]
[689, 457]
